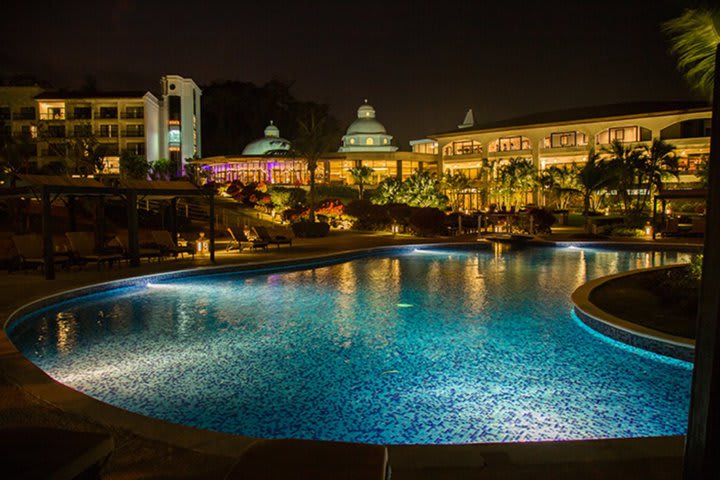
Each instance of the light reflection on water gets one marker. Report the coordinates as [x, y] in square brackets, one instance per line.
[431, 346]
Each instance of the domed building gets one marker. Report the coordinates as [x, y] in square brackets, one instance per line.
[366, 134]
[271, 144]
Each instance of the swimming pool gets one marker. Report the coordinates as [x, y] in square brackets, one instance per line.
[419, 346]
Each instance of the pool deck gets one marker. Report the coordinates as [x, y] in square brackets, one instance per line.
[29, 398]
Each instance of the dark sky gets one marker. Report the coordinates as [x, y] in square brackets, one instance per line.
[421, 64]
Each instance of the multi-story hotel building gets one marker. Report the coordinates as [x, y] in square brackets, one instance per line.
[566, 137]
[137, 122]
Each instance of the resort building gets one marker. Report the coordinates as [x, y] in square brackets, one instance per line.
[138, 122]
[563, 138]
[366, 142]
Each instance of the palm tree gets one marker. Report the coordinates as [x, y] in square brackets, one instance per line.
[593, 177]
[361, 175]
[625, 162]
[315, 137]
[517, 178]
[658, 162]
[695, 36]
[454, 184]
[562, 182]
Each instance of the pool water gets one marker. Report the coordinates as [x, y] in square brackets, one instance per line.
[417, 347]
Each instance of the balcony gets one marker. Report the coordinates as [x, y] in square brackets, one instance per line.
[134, 133]
[80, 116]
[57, 115]
[132, 115]
[24, 116]
[107, 113]
[5, 115]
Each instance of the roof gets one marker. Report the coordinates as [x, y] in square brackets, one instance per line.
[682, 193]
[149, 185]
[67, 95]
[58, 181]
[586, 113]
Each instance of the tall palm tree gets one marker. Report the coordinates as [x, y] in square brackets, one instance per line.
[658, 164]
[593, 177]
[517, 178]
[695, 36]
[562, 182]
[454, 184]
[625, 160]
[315, 137]
[361, 175]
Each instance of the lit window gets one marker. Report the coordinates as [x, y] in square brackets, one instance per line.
[352, 141]
[385, 141]
[369, 141]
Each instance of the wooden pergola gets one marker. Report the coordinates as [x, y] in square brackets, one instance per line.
[47, 188]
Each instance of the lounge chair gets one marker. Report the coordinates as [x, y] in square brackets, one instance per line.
[31, 252]
[263, 234]
[145, 252]
[165, 243]
[240, 240]
[82, 245]
[672, 228]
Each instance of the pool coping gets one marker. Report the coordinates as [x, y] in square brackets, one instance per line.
[24, 373]
[626, 331]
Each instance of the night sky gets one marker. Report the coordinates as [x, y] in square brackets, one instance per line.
[421, 64]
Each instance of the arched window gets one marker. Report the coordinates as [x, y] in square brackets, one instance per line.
[463, 147]
[352, 141]
[628, 134]
[369, 141]
[509, 144]
[565, 139]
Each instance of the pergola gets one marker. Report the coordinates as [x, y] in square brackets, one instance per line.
[47, 188]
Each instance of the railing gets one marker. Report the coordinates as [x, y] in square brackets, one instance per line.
[5, 116]
[134, 133]
[464, 151]
[24, 116]
[106, 114]
[80, 116]
[53, 116]
[131, 115]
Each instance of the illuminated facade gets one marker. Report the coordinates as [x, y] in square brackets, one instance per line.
[134, 121]
[565, 138]
[366, 142]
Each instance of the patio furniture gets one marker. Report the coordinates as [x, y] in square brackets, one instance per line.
[144, 252]
[41, 452]
[672, 228]
[263, 234]
[164, 241]
[240, 240]
[82, 245]
[30, 251]
[310, 459]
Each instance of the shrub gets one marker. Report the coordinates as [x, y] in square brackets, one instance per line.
[542, 220]
[427, 221]
[305, 229]
[287, 197]
[622, 231]
[366, 216]
[336, 191]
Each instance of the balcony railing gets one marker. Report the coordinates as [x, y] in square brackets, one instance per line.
[4, 115]
[106, 114]
[134, 133]
[24, 116]
[79, 116]
[53, 115]
[131, 115]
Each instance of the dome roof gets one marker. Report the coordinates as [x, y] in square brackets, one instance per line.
[366, 123]
[271, 143]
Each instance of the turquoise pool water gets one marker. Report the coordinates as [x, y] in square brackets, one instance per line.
[418, 347]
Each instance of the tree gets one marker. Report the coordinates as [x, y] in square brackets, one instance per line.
[593, 177]
[562, 183]
[422, 189]
[162, 169]
[361, 175]
[317, 133]
[625, 160]
[196, 173]
[133, 166]
[387, 191]
[517, 178]
[657, 163]
[86, 154]
[454, 184]
[695, 36]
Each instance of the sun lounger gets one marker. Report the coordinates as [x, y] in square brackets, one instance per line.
[31, 252]
[263, 234]
[145, 252]
[164, 242]
[240, 240]
[307, 459]
[82, 245]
